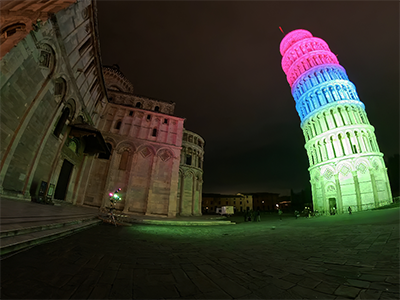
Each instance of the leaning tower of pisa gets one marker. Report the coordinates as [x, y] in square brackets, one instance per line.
[346, 167]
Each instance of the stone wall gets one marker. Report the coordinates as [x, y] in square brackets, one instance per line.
[45, 88]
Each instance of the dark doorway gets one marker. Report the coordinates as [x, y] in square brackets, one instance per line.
[332, 206]
[63, 180]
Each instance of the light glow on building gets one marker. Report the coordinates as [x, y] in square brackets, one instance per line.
[346, 166]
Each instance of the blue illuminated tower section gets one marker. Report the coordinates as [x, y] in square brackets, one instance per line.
[346, 167]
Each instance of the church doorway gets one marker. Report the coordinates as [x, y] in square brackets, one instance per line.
[63, 180]
[332, 206]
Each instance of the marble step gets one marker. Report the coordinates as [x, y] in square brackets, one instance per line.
[26, 226]
[48, 233]
[7, 221]
[186, 223]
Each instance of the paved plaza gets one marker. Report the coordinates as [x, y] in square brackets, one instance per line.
[330, 257]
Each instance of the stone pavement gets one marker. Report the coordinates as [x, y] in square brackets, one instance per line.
[331, 257]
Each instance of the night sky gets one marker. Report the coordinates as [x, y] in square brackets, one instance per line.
[220, 63]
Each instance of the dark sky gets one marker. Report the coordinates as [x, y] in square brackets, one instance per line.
[220, 63]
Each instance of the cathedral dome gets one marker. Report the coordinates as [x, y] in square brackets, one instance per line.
[115, 80]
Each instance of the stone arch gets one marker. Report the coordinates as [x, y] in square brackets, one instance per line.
[46, 56]
[189, 174]
[339, 109]
[106, 155]
[344, 168]
[330, 188]
[340, 137]
[362, 165]
[345, 91]
[81, 118]
[125, 145]
[18, 28]
[60, 87]
[376, 163]
[115, 87]
[111, 141]
[189, 150]
[74, 144]
[327, 172]
[364, 138]
[71, 104]
[146, 150]
[67, 115]
[165, 153]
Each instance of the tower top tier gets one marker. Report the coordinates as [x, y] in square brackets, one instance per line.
[292, 37]
[302, 52]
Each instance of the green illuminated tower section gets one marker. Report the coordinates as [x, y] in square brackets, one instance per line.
[346, 167]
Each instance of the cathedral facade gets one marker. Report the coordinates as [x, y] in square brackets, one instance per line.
[73, 130]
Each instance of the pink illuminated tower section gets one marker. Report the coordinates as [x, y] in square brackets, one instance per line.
[347, 170]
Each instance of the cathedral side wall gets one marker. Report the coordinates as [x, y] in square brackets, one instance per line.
[39, 91]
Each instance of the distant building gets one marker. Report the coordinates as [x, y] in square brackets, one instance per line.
[265, 201]
[240, 202]
[285, 203]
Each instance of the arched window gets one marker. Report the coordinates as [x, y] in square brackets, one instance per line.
[340, 137]
[61, 122]
[106, 155]
[73, 145]
[138, 104]
[118, 126]
[12, 29]
[157, 108]
[333, 147]
[79, 120]
[59, 87]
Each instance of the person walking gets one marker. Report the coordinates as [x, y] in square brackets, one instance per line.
[349, 209]
[280, 214]
[258, 214]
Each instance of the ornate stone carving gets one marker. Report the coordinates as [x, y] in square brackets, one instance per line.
[145, 152]
[164, 155]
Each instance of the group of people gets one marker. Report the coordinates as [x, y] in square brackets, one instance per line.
[250, 215]
[333, 210]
